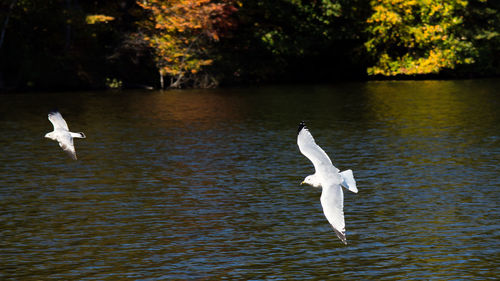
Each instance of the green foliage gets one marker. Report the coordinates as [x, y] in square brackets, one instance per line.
[52, 44]
[113, 83]
[417, 37]
[297, 40]
[93, 19]
[68, 44]
[482, 26]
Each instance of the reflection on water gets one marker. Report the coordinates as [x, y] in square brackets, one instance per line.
[204, 184]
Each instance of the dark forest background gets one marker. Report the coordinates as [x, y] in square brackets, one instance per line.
[75, 44]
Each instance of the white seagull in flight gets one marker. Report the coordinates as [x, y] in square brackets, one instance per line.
[62, 134]
[329, 178]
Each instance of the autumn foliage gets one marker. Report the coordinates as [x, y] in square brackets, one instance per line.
[56, 44]
[181, 33]
[413, 37]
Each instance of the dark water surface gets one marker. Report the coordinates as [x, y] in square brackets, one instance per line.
[205, 184]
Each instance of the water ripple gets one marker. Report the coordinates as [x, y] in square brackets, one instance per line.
[185, 185]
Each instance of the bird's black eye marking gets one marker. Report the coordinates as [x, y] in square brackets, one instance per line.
[301, 126]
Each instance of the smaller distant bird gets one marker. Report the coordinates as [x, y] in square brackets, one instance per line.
[62, 135]
[329, 179]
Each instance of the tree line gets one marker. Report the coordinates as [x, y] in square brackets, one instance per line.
[74, 44]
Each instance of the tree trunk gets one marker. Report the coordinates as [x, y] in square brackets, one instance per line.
[177, 83]
[4, 28]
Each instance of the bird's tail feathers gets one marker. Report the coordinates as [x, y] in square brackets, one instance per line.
[348, 181]
[78, 135]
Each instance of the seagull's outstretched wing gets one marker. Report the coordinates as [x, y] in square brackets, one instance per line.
[57, 120]
[66, 143]
[332, 201]
[308, 147]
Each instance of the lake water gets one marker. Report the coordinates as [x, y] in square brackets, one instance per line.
[204, 184]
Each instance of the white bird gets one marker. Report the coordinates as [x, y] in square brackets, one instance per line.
[62, 134]
[329, 178]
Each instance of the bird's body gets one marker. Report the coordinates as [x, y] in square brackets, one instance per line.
[329, 179]
[62, 135]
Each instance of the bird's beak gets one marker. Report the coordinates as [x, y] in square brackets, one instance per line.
[302, 183]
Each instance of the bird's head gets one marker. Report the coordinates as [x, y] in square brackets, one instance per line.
[50, 135]
[311, 180]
